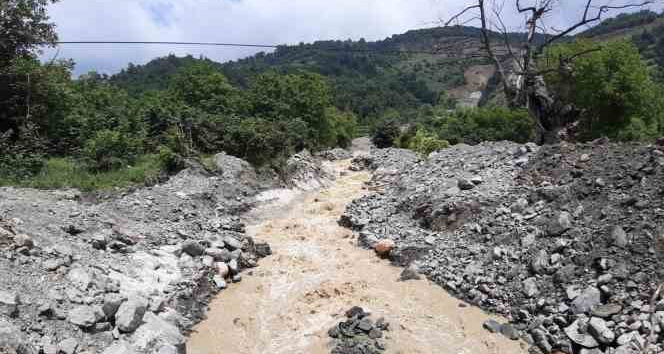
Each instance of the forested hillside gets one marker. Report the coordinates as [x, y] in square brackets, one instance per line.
[395, 76]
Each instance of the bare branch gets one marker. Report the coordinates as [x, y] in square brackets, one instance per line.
[461, 14]
[585, 20]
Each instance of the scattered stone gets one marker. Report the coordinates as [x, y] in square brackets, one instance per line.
[410, 273]
[263, 249]
[384, 247]
[68, 346]
[619, 237]
[84, 316]
[509, 331]
[23, 240]
[111, 304]
[222, 269]
[606, 311]
[130, 314]
[465, 184]
[219, 282]
[530, 288]
[492, 326]
[576, 333]
[598, 328]
[8, 303]
[589, 298]
[358, 334]
[193, 248]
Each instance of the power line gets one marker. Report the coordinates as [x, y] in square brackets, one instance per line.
[246, 45]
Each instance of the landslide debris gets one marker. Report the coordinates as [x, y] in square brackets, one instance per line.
[359, 334]
[134, 272]
[565, 241]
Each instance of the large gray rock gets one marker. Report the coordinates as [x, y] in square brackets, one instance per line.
[120, 347]
[589, 298]
[8, 303]
[530, 288]
[68, 346]
[577, 333]
[130, 314]
[80, 278]
[233, 168]
[619, 237]
[193, 248]
[155, 333]
[111, 304]
[599, 329]
[84, 316]
[11, 337]
[560, 224]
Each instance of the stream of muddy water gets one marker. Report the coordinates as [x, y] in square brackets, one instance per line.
[316, 273]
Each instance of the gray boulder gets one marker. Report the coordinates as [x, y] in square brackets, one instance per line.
[84, 316]
[68, 346]
[193, 248]
[155, 333]
[111, 304]
[8, 303]
[130, 314]
[599, 329]
[589, 298]
[530, 288]
[619, 237]
[577, 333]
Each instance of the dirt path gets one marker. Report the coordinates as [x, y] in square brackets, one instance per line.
[316, 273]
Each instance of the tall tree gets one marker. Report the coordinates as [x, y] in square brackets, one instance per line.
[24, 25]
[523, 82]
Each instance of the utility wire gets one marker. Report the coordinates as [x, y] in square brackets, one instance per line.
[271, 46]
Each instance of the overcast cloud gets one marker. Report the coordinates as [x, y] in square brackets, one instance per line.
[237, 21]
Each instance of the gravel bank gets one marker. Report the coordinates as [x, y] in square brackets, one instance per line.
[566, 241]
[133, 273]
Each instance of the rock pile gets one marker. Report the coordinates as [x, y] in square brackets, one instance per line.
[129, 274]
[565, 241]
[358, 334]
[335, 154]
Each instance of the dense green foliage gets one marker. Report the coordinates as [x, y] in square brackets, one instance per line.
[421, 140]
[614, 88]
[92, 133]
[438, 127]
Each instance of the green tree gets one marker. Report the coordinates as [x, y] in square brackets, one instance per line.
[614, 89]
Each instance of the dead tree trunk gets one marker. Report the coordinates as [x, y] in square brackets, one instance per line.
[523, 83]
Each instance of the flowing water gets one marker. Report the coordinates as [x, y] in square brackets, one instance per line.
[316, 273]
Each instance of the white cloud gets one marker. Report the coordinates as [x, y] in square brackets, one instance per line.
[237, 21]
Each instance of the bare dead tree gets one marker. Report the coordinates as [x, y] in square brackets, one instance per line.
[522, 81]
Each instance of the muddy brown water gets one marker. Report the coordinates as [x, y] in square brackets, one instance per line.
[316, 273]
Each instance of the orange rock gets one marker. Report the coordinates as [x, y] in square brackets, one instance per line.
[222, 269]
[384, 247]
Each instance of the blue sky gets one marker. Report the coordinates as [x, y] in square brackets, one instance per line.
[248, 21]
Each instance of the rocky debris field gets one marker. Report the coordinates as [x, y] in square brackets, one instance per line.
[565, 241]
[133, 273]
[358, 334]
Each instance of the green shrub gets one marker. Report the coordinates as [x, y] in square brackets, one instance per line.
[386, 134]
[425, 142]
[109, 150]
[169, 160]
[472, 126]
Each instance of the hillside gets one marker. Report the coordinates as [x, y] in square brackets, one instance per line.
[369, 78]
[396, 76]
